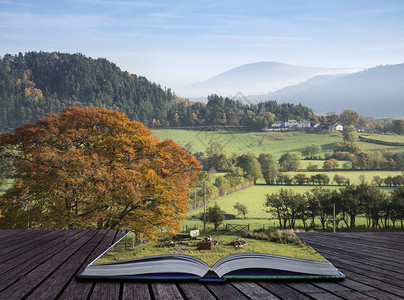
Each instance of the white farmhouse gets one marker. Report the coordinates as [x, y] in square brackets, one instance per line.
[278, 124]
[291, 123]
[330, 126]
[305, 124]
[336, 127]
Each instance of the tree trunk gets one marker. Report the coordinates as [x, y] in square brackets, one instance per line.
[352, 221]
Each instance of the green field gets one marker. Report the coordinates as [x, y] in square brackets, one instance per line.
[382, 137]
[242, 141]
[255, 197]
[275, 143]
[393, 138]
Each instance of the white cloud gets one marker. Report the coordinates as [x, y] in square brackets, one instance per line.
[49, 21]
[251, 38]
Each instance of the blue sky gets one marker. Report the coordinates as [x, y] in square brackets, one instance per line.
[176, 43]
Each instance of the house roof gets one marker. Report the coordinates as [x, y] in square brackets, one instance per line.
[43, 264]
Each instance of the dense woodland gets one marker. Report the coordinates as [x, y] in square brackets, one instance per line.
[35, 84]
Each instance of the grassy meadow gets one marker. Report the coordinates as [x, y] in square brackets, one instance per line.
[258, 216]
[392, 138]
[242, 141]
[254, 198]
[123, 251]
[276, 143]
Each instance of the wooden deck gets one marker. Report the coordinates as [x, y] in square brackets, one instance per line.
[43, 264]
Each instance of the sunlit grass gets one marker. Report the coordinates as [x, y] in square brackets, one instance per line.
[242, 141]
[217, 252]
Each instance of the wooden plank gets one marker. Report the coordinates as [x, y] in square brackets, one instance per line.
[312, 290]
[195, 290]
[106, 291]
[22, 241]
[31, 280]
[5, 233]
[23, 256]
[331, 286]
[368, 270]
[376, 283]
[136, 291]
[353, 295]
[382, 295]
[76, 289]
[355, 285]
[282, 291]
[357, 256]
[367, 248]
[371, 274]
[58, 279]
[388, 260]
[15, 255]
[31, 262]
[253, 290]
[369, 266]
[20, 235]
[341, 245]
[339, 242]
[325, 296]
[224, 291]
[164, 290]
[391, 240]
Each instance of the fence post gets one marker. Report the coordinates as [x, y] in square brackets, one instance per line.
[334, 215]
[204, 206]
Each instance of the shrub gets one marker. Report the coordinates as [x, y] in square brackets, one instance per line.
[285, 236]
[312, 167]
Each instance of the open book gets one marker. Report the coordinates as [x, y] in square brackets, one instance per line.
[179, 266]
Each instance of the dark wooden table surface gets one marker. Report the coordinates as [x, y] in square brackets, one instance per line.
[42, 264]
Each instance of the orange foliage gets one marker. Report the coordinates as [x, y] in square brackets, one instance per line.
[92, 167]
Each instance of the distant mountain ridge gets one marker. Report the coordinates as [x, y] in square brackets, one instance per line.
[254, 78]
[377, 92]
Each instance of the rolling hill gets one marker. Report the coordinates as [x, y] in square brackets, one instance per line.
[260, 77]
[377, 92]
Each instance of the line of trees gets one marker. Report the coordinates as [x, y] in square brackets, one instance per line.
[382, 211]
[350, 150]
[389, 181]
[223, 185]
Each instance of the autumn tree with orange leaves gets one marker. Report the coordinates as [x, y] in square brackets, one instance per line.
[94, 168]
